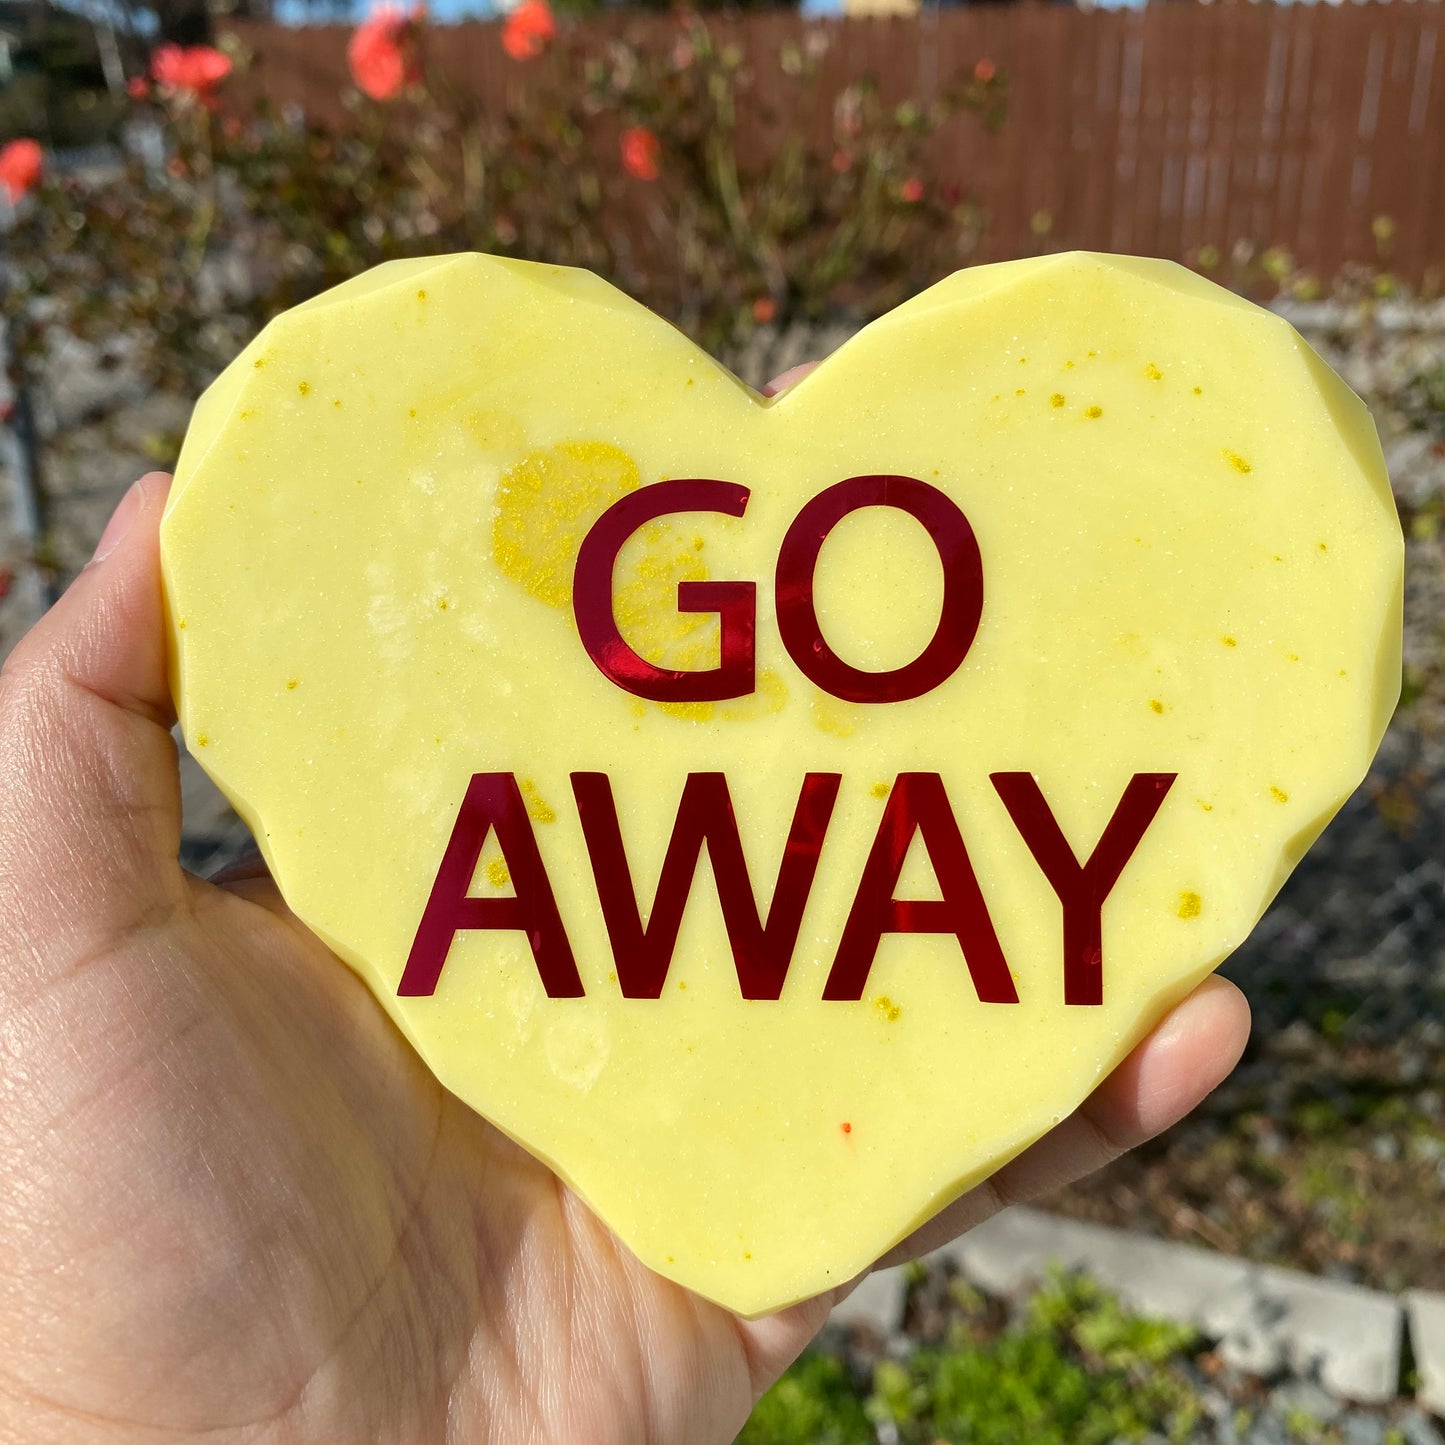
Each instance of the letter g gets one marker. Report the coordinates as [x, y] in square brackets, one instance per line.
[734, 602]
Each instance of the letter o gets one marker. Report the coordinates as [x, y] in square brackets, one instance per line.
[962, 608]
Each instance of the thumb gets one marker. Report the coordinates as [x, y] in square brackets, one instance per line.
[89, 790]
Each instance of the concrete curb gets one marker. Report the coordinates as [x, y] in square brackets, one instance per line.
[878, 1302]
[1266, 1320]
[1426, 1313]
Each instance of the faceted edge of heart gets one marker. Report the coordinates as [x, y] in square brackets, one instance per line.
[1387, 677]
[1356, 427]
[973, 284]
[219, 403]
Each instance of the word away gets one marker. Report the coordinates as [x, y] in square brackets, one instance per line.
[763, 948]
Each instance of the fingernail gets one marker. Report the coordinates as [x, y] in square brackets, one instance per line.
[121, 521]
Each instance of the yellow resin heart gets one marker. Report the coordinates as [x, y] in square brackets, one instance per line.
[1187, 569]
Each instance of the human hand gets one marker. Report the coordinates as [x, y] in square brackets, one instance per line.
[234, 1204]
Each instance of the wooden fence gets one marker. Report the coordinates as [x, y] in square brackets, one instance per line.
[1317, 128]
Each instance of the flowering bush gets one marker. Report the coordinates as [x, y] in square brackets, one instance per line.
[745, 205]
[657, 164]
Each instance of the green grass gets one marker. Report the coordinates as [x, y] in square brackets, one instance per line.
[1422, 400]
[1073, 1369]
[813, 1404]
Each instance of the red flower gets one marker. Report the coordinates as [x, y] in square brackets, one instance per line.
[984, 71]
[842, 162]
[382, 52]
[137, 87]
[20, 166]
[189, 69]
[641, 151]
[911, 190]
[764, 310]
[529, 30]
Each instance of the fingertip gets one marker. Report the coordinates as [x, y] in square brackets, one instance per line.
[157, 487]
[89, 787]
[1184, 1058]
[791, 377]
[1218, 1007]
[106, 632]
[142, 503]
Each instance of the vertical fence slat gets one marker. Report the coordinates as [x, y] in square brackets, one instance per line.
[1392, 194]
[1312, 219]
[1222, 88]
[1296, 116]
[1126, 160]
[1100, 98]
[1421, 251]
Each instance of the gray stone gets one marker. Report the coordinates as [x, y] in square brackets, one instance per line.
[1360, 1429]
[1385, 1147]
[1267, 1430]
[1427, 1147]
[1235, 1427]
[1417, 1430]
[1214, 1402]
[1346, 1337]
[1426, 1313]
[1265, 1319]
[1253, 1346]
[878, 1302]
[1307, 1398]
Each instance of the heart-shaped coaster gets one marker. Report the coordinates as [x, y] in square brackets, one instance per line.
[776, 814]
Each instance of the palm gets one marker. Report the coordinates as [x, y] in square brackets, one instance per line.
[325, 1239]
[234, 1204]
